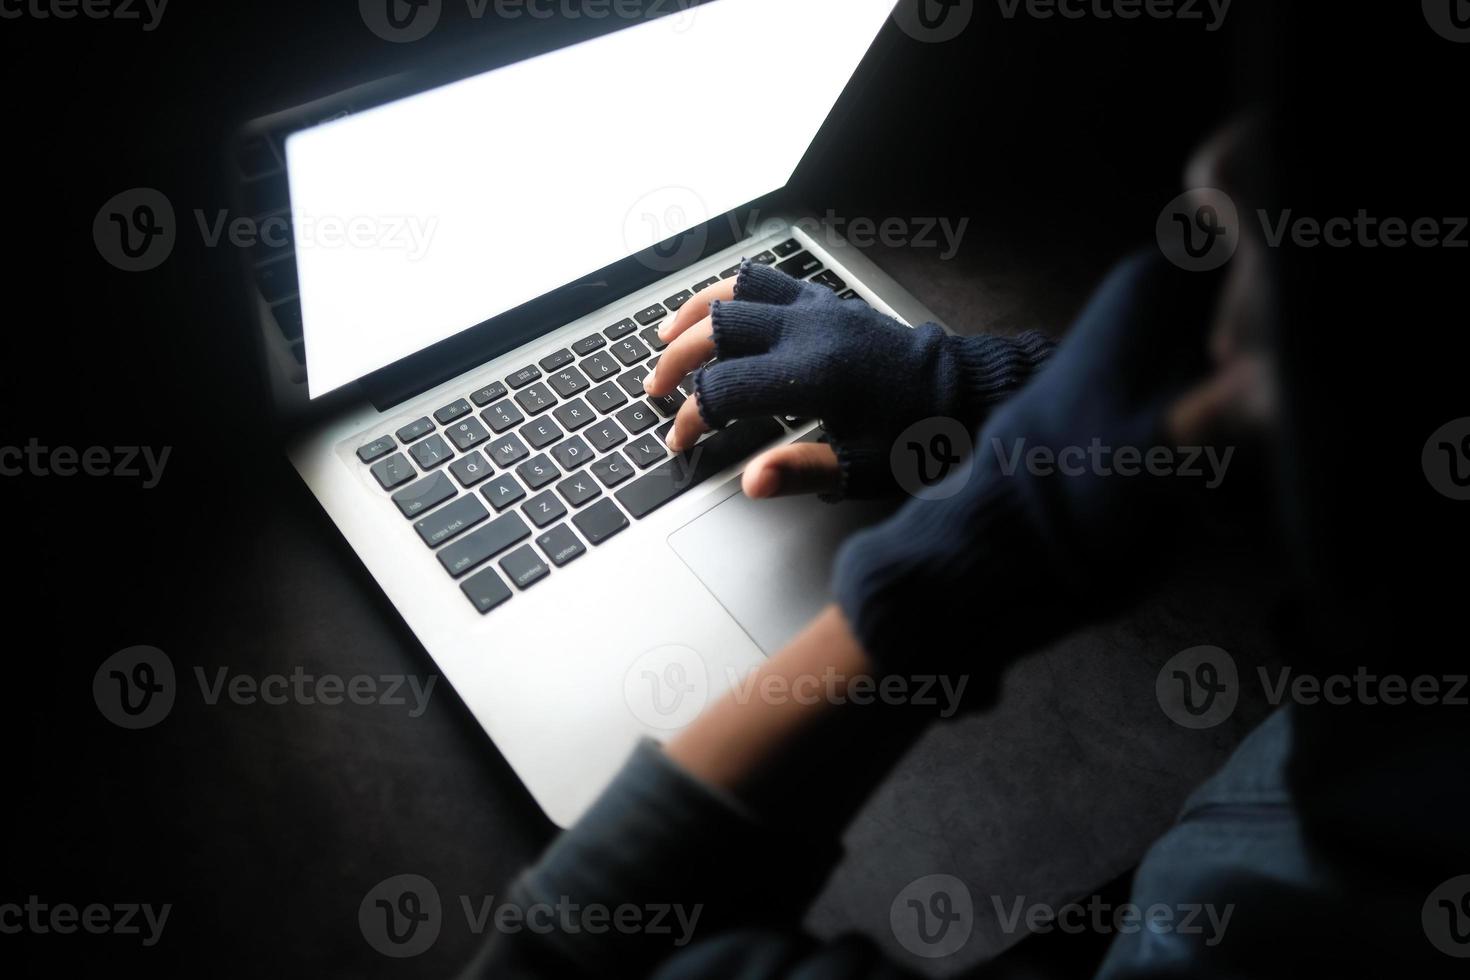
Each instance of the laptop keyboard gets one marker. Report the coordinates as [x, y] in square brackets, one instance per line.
[536, 470]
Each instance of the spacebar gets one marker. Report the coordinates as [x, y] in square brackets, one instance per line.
[688, 470]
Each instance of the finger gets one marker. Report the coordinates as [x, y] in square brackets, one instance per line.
[688, 426]
[696, 309]
[801, 467]
[693, 347]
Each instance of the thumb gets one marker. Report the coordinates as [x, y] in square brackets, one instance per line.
[801, 467]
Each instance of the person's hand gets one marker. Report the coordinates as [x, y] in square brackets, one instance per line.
[784, 347]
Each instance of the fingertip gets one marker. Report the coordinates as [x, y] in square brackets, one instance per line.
[761, 482]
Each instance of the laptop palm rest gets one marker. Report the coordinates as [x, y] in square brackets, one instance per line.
[769, 562]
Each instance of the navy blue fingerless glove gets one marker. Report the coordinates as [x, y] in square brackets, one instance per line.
[786, 347]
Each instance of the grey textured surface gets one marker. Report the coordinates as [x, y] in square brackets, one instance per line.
[1061, 787]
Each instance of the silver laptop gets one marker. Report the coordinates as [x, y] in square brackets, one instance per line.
[456, 330]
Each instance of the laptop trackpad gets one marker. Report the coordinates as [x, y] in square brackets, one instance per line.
[769, 562]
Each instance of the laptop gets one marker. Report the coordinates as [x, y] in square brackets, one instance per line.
[456, 313]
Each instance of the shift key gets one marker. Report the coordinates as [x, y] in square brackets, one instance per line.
[473, 550]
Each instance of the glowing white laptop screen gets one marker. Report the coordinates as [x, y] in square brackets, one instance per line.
[427, 216]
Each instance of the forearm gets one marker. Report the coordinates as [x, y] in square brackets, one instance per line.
[810, 741]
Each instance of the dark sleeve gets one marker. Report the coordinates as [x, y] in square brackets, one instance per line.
[1012, 553]
[667, 853]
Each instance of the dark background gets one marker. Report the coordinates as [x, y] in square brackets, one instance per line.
[264, 825]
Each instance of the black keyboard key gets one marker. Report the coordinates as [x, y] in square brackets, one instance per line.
[606, 397]
[415, 430]
[829, 279]
[416, 498]
[503, 491]
[572, 453]
[638, 417]
[654, 312]
[587, 345]
[502, 416]
[600, 521]
[651, 338]
[393, 472]
[561, 545]
[632, 382]
[488, 394]
[451, 521]
[486, 590]
[646, 451]
[561, 358]
[787, 248]
[706, 284]
[545, 509]
[569, 381]
[765, 258]
[508, 451]
[538, 471]
[524, 568]
[432, 452]
[277, 280]
[579, 489]
[379, 447]
[449, 413]
[467, 434]
[599, 366]
[731, 272]
[801, 265]
[470, 470]
[542, 433]
[620, 329]
[523, 377]
[574, 415]
[474, 550]
[605, 435]
[629, 351]
[536, 399]
[687, 470]
[668, 405]
[612, 470]
[848, 294]
[678, 299]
